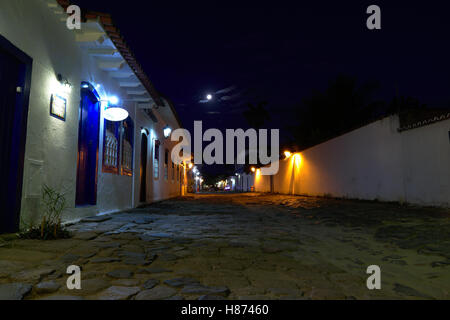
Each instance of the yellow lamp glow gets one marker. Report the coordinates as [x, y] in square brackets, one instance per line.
[297, 159]
[191, 165]
[287, 154]
[253, 169]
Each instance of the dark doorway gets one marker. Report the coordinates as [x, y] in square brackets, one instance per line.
[88, 141]
[144, 151]
[15, 78]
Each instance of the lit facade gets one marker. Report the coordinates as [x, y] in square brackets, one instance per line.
[101, 166]
[380, 161]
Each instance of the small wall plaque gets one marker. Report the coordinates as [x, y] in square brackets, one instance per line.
[58, 107]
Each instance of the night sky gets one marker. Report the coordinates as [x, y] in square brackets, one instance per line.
[279, 52]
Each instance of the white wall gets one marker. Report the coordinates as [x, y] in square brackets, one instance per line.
[375, 162]
[35, 29]
[157, 189]
[426, 155]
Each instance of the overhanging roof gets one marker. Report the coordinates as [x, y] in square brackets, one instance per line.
[114, 34]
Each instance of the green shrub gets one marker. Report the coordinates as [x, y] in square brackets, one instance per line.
[54, 204]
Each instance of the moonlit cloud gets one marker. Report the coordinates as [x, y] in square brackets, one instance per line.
[232, 97]
[226, 90]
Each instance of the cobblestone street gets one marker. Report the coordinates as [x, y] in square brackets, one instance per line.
[244, 246]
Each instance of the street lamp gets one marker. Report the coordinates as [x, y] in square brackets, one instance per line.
[113, 100]
[167, 131]
[113, 112]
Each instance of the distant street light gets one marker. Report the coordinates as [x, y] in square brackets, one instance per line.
[167, 131]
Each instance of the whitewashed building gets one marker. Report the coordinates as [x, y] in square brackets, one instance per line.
[56, 87]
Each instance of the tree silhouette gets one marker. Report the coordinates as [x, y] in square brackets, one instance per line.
[404, 104]
[341, 107]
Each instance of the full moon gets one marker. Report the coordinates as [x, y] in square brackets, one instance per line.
[209, 97]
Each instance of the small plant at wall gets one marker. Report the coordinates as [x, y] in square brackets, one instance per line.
[54, 204]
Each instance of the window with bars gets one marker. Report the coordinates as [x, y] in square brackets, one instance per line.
[166, 164]
[111, 147]
[173, 171]
[156, 160]
[127, 147]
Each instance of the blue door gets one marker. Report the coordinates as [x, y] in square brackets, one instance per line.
[88, 141]
[15, 75]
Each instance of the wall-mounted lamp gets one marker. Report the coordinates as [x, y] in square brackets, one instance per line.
[112, 111]
[253, 169]
[167, 131]
[66, 86]
[115, 113]
[287, 154]
[113, 100]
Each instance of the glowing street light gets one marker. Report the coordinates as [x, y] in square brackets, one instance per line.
[253, 169]
[167, 131]
[113, 100]
[287, 154]
[114, 112]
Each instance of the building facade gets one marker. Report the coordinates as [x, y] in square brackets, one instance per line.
[56, 87]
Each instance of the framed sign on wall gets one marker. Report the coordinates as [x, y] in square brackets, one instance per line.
[58, 107]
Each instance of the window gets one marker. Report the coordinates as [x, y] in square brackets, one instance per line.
[127, 147]
[111, 147]
[156, 162]
[166, 164]
[173, 171]
[182, 175]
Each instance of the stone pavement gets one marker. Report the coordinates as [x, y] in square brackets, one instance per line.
[245, 246]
